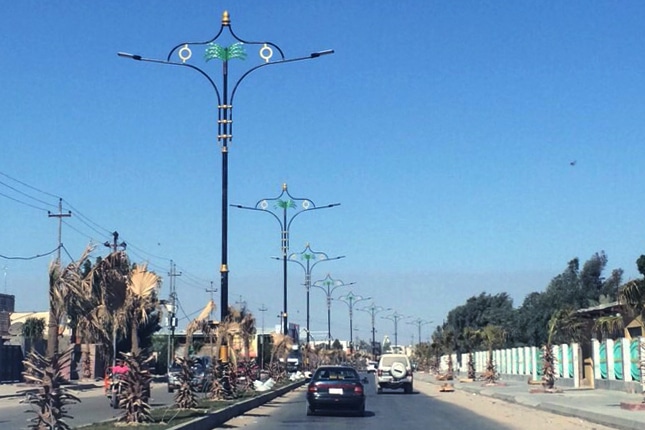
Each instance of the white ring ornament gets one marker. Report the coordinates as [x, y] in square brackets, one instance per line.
[266, 53]
[185, 53]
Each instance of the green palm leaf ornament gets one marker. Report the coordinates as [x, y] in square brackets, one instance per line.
[285, 204]
[214, 50]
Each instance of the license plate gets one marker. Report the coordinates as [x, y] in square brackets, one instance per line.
[335, 391]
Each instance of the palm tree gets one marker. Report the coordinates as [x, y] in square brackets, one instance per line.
[492, 336]
[141, 294]
[62, 282]
[565, 323]
[196, 324]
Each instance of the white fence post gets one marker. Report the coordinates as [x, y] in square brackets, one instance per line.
[611, 372]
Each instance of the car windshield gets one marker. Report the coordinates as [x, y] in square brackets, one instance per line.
[330, 374]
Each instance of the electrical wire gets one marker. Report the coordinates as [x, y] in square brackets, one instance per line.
[33, 257]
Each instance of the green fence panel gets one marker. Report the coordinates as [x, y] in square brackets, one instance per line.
[603, 361]
[558, 361]
[618, 361]
[538, 361]
[570, 366]
[634, 359]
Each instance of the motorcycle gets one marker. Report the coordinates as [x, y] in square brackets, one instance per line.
[114, 388]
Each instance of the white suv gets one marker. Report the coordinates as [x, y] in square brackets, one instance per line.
[394, 371]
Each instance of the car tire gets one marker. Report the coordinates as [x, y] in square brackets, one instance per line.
[171, 389]
[408, 389]
[379, 390]
[310, 411]
[114, 400]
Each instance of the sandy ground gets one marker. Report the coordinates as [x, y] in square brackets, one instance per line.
[508, 414]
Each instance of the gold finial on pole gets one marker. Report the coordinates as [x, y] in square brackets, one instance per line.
[226, 19]
[284, 187]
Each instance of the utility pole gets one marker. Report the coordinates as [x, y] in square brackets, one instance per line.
[60, 215]
[115, 245]
[52, 324]
[113, 248]
[172, 319]
[263, 309]
[241, 302]
[211, 290]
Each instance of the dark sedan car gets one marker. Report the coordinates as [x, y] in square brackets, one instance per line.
[336, 388]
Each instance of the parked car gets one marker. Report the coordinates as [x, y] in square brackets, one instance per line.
[173, 379]
[394, 371]
[336, 388]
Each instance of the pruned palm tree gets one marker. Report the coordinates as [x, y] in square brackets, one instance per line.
[565, 323]
[471, 337]
[492, 336]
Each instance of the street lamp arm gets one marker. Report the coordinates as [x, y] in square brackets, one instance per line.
[309, 210]
[320, 261]
[172, 63]
[273, 63]
[260, 210]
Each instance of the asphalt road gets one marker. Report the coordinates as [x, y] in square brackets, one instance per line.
[390, 410]
[94, 407]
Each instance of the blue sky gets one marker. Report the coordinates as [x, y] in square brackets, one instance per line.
[446, 131]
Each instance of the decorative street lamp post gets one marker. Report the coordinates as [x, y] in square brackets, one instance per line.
[180, 56]
[329, 285]
[419, 323]
[373, 311]
[350, 299]
[395, 317]
[311, 259]
[278, 207]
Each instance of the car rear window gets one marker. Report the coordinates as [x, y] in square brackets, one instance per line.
[389, 361]
[336, 374]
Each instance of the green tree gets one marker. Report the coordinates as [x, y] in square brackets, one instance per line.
[33, 329]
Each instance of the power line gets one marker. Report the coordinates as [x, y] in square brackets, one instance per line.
[23, 203]
[25, 194]
[29, 186]
[32, 257]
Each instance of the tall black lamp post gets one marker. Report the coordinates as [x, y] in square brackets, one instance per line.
[278, 207]
[350, 299]
[209, 50]
[329, 285]
[308, 259]
[373, 310]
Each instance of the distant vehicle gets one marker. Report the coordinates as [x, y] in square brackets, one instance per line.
[294, 360]
[173, 377]
[202, 370]
[371, 366]
[394, 371]
[336, 388]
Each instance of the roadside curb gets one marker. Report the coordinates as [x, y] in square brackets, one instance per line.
[219, 417]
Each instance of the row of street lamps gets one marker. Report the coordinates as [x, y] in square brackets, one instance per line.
[180, 55]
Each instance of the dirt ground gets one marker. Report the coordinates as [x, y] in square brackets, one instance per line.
[508, 414]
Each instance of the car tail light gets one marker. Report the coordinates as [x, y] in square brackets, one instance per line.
[380, 372]
[312, 389]
[358, 390]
